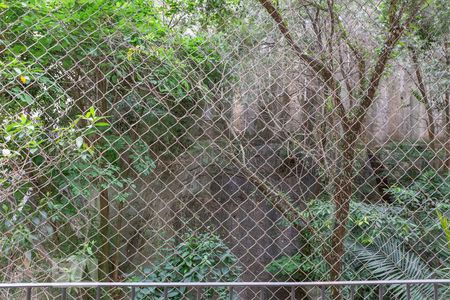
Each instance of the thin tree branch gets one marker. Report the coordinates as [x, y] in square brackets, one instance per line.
[395, 33]
[318, 66]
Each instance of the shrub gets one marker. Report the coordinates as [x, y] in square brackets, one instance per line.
[197, 258]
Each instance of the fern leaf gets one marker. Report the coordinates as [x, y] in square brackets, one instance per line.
[389, 260]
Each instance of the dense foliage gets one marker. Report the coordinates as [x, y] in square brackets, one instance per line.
[87, 88]
[402, 240]
[196, 258]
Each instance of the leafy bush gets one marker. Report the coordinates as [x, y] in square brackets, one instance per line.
[366, 222]
[197, 258]
[408, 161]
[422, 201]
[429, 189]
[149, 77]
[298, 267]
[409, 232]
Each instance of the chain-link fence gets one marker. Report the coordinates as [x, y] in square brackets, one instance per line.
[198, 289]
[225, 141]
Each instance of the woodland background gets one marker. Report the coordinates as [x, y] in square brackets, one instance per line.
[208, 140]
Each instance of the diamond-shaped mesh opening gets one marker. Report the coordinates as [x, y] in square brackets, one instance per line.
[223, 141]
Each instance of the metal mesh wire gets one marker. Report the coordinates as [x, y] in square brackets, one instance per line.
[184, 141]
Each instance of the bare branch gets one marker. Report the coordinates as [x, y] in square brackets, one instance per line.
[319, 67]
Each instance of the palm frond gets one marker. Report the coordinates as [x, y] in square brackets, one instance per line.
[387, 259]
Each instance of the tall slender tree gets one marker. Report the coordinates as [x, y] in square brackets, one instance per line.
[361, 95]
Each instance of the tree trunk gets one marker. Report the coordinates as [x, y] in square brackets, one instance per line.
[105, 265]
[431, 127]
[103, 260]
[447, 113]
[447, 131]
[343, 188]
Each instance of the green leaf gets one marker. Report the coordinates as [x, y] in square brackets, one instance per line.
[24, 97]
[92, 111]
[445, 224]
[388, 259]
[102, 124]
